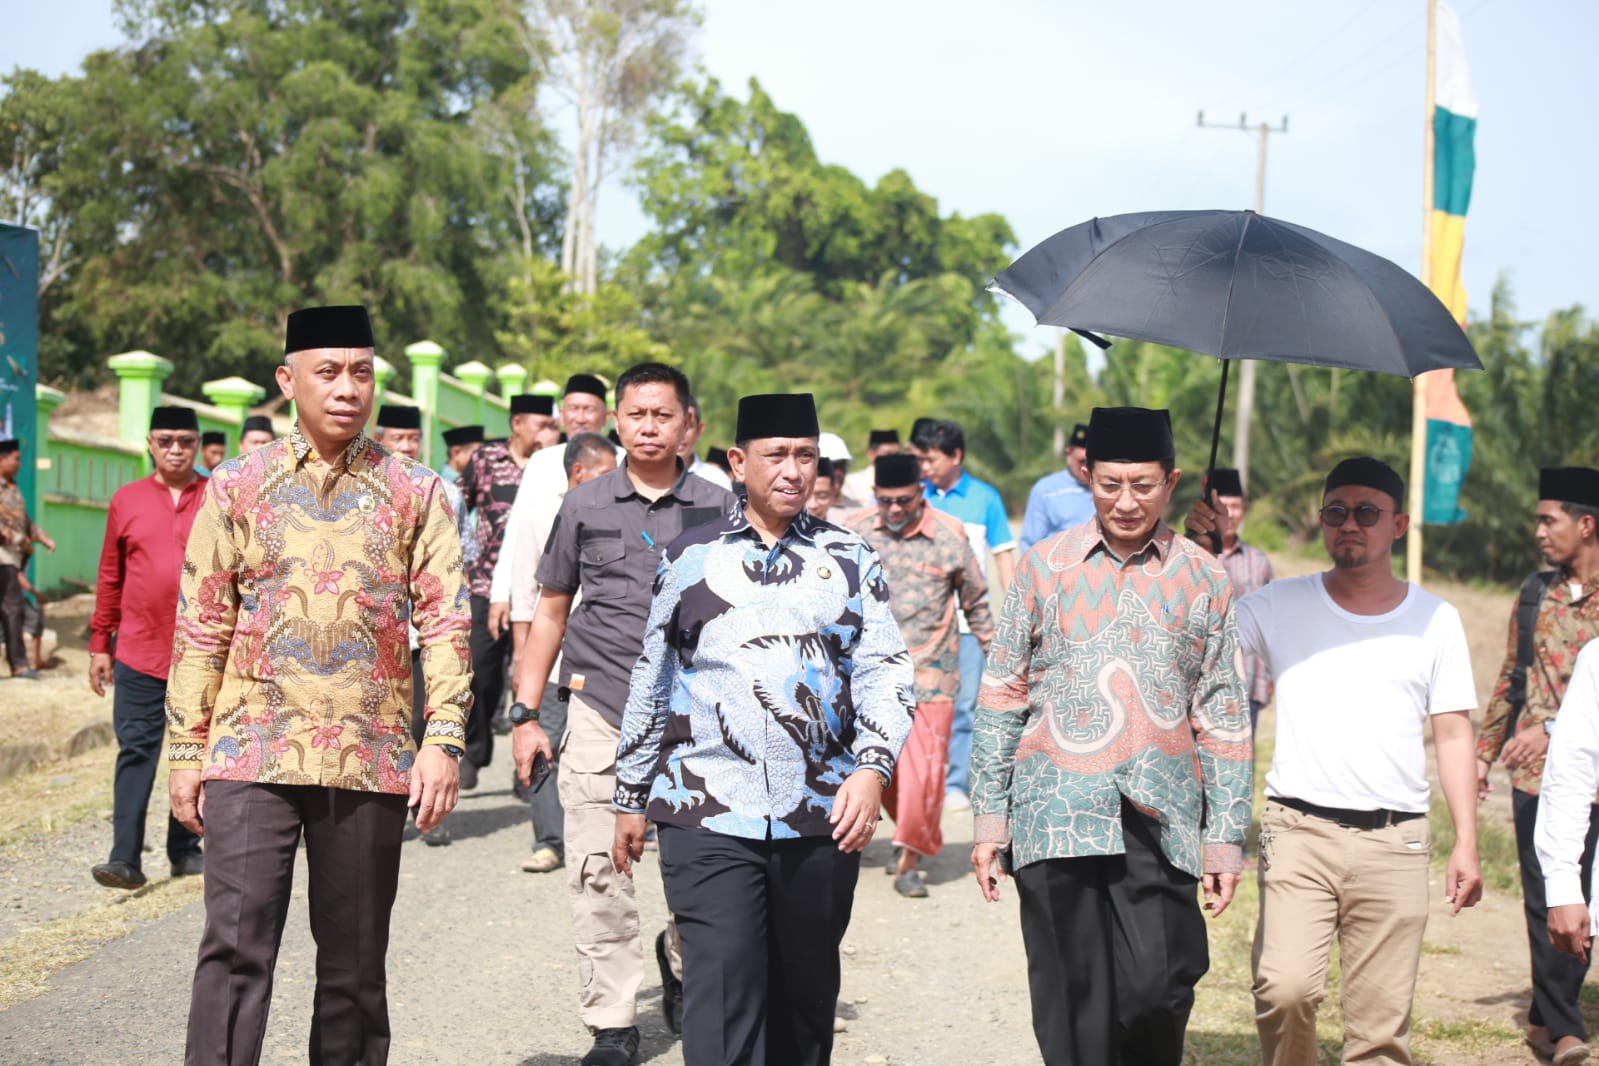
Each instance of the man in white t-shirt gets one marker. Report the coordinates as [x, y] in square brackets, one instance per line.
[1565, 803]
[1362, 661]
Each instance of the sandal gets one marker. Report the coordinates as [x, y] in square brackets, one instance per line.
[542, 861]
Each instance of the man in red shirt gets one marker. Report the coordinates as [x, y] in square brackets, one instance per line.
[146, 531]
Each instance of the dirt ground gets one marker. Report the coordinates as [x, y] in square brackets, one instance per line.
[481, 966]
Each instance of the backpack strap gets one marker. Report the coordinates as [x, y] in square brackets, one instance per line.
[1531, 598]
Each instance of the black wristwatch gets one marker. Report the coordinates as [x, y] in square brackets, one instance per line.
[521, 712]
[452, 751]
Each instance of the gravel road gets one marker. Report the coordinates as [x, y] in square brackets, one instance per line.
[481, 967]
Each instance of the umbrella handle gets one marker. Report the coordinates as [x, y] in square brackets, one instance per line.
[1214, 536]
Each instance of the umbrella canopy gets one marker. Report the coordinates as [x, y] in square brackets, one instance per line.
[1240, 286]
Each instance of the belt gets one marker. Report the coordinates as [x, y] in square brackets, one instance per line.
[1349, 818]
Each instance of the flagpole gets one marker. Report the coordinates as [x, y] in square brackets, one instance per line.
[1418, 390]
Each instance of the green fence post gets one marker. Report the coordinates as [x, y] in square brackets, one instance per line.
[476, 377]
[426, 358]
[235, 396]
[513, 380]
[139, 378]
[46, 400]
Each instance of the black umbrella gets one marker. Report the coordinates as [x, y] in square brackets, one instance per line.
[1240, 286]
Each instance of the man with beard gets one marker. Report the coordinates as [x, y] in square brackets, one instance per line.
[1563, 612]
[879, 442]
[1362, 662]
[764, 718]
[606, 543]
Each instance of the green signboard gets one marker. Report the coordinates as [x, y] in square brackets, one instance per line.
[19, 347]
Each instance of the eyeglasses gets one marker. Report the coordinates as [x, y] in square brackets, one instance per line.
[886, 502]
[1334, 515]
[1141, 490]
[164, 442]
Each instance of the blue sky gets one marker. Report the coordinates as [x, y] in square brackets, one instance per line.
[1054, 111]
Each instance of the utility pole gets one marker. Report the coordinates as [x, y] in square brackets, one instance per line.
[1246, 367]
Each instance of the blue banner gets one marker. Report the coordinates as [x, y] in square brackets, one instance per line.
[1448, 460]
[19, 348]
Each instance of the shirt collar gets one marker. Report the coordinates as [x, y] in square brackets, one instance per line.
[1237, 549]
[804, 527]
[962, 483]
[303, 450]
[626, 490]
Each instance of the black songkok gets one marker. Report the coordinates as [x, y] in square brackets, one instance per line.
[718, 457]
[174, 418]
[258, 424]
[882, 436]
[1129, 435]
[213, 437]
[1569, 484]
[328, 327]
[824, 468]
[896, 471]
[1226, 482]
[1369, 473]
[585, 383]
[463, 435]
[528, 403]
[8, 446]
[777, 415]
[1079, 437]
[399, 416]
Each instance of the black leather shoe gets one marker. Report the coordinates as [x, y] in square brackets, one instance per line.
[437, 837]
[468, 775]
[613, 1047]
[119, 875]
[189, 866]
[671, 988]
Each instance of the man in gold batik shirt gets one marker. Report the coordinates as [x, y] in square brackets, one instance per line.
[289, 700]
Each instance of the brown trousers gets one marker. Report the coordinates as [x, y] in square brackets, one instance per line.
[352, 845]
[1369, 888]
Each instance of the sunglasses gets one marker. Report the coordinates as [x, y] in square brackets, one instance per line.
[164, 442]
[886, 502]
[1334, 515]
[1141, 490]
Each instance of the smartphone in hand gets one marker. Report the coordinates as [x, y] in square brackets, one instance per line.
[540, 771]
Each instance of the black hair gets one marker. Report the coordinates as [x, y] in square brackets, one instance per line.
[1580, 511]
[583, 448]
[655, 374]
[941, 434]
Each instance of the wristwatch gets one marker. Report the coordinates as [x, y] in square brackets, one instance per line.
[452, 751]
[521, 712]
[1548, 727]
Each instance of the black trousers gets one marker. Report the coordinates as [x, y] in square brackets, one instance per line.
[1115, 945]
[1556, 977]
[11, 604]
[139, 716]
[352, 853]
[490, 661]
[760, 923]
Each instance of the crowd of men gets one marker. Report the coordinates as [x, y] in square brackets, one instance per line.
[745, 659]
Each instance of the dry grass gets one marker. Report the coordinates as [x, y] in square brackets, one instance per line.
[27, 961]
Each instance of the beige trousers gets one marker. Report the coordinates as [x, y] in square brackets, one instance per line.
[605, 926]
[1367, 887]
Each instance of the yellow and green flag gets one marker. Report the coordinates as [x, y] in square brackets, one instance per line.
[1454, 129]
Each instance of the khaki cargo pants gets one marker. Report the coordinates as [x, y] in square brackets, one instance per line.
[605, 924]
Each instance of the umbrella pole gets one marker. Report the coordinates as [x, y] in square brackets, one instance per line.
[1215, 444]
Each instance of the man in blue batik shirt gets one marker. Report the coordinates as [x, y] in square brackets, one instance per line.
[1060, 500]
[763, 721]
[941, 447]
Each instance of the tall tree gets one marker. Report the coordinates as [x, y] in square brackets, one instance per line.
[611, 62]
[33, 126]
[248, 156]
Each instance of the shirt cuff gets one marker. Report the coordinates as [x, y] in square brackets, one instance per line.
[879, 759]
[185, 754]
[991, 829]
[630, 799]
[1224, 859]
[442, 730]
[99, 644]
[1563, 889]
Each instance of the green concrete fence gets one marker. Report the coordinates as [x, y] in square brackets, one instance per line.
[77, 473]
